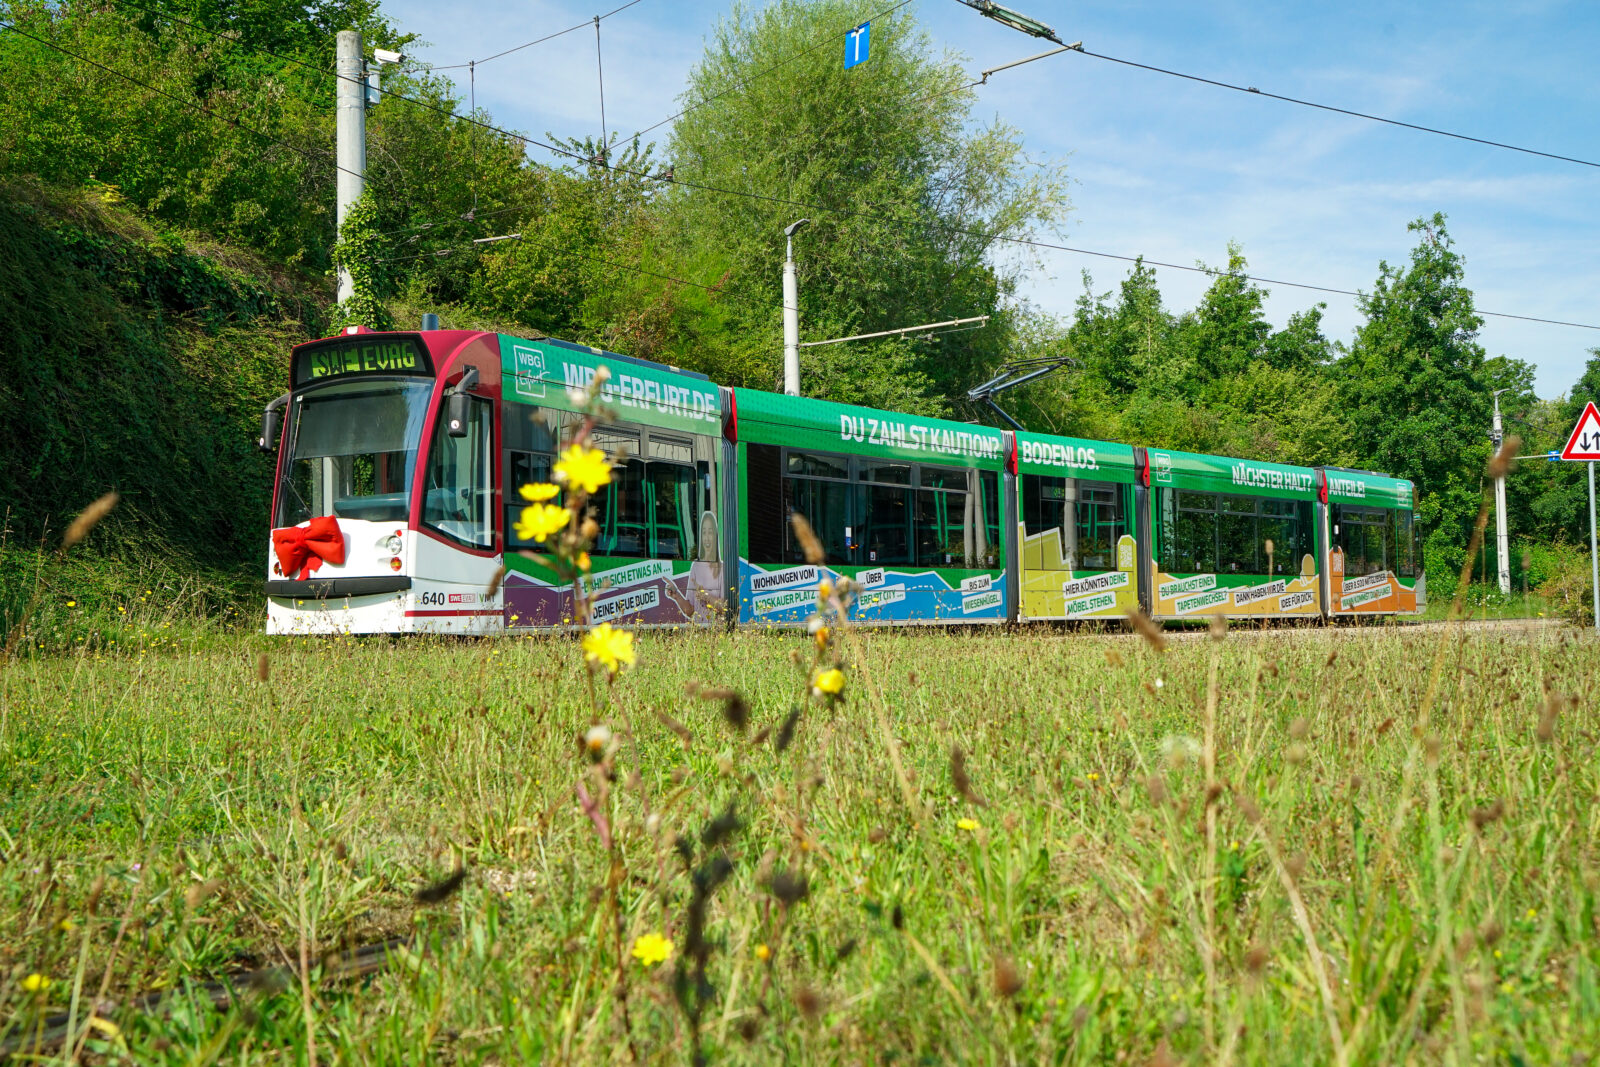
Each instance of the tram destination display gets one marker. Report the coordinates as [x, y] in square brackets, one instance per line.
[348, 358]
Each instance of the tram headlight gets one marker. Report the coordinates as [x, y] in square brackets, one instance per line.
[392, 543]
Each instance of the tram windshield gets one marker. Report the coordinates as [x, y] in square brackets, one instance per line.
[352, 449]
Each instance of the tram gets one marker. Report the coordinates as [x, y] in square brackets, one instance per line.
[399, 457]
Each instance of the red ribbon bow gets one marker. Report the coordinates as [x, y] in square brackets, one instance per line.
[304, 548]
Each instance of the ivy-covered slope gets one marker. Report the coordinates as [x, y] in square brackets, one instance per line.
[137, 359]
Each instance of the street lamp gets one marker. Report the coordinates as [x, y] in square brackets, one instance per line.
[791, 313]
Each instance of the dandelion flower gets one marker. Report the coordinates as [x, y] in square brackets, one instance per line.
[66, 926]
[651, 949]
[1094, 776]
[597, 738]
[609, 647]
[824, 589]
[822, 637]
[969, 825]
[36, 983]
[583, 468]
[539, 492]
[829, 682]
[540, 521]
[72, 603]
[763, 953]
[582, 562]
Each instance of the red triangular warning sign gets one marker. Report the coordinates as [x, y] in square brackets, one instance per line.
[1585, 440]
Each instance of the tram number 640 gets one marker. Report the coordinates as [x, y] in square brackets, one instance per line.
[431, 598]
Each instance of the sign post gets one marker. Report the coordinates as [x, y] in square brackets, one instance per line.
[1584, 444]
[1594, 557]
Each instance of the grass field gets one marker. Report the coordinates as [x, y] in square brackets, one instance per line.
[1345, 846]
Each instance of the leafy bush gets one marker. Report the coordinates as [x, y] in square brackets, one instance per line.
[1570, 588]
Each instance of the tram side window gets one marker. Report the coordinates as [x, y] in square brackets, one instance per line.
[815, 485]
[1087, 514]
[1099, 524]
[1236, 536]
[660, 485]
[1287, 524]
[1406, 545]
[458, 495]
[883, 512]
[1228, 534]
[674, 495]
[1374, 540]
[1189, 529]
[532, 436]
[956, 518]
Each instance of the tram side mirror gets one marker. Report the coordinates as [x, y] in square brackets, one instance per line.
[268, 441]
[456, 401]
[269, 431]
[455, 414]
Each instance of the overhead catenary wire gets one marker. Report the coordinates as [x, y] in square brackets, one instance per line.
[530, 44]
[1339, 110]
[196, 105]
[948, 228]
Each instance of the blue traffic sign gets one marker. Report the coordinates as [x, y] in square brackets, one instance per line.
[857, 45]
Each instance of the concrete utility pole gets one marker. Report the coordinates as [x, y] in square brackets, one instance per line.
[1594, 556]
[351, 136]
[1502, 540]
[791, 313]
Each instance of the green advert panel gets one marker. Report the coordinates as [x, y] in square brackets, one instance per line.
[1073, 457]
[1219, 474]
[548, 374]
[800, 422]
[1366, 488]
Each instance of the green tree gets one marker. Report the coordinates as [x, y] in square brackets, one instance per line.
[906, 201]
[1228, 331]
[1415, 389]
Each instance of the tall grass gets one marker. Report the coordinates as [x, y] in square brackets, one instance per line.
[1252, 847]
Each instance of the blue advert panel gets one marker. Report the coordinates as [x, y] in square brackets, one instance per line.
[786, 594]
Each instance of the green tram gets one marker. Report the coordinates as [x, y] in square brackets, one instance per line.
[400, 456]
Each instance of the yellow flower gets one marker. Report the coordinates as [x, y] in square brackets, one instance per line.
[582, 562]
[763, 953]
[583, 468]
[822, 637]
[539, 521]
[36, 983]
[968, 825]
[609, 647]
[72, 603]
[1094, 777]
[651, 949]
[830, 681]
[66, 926]
[539, 492]
[824, 589]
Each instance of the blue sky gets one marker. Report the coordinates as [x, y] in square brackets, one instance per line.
[1173, 170]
